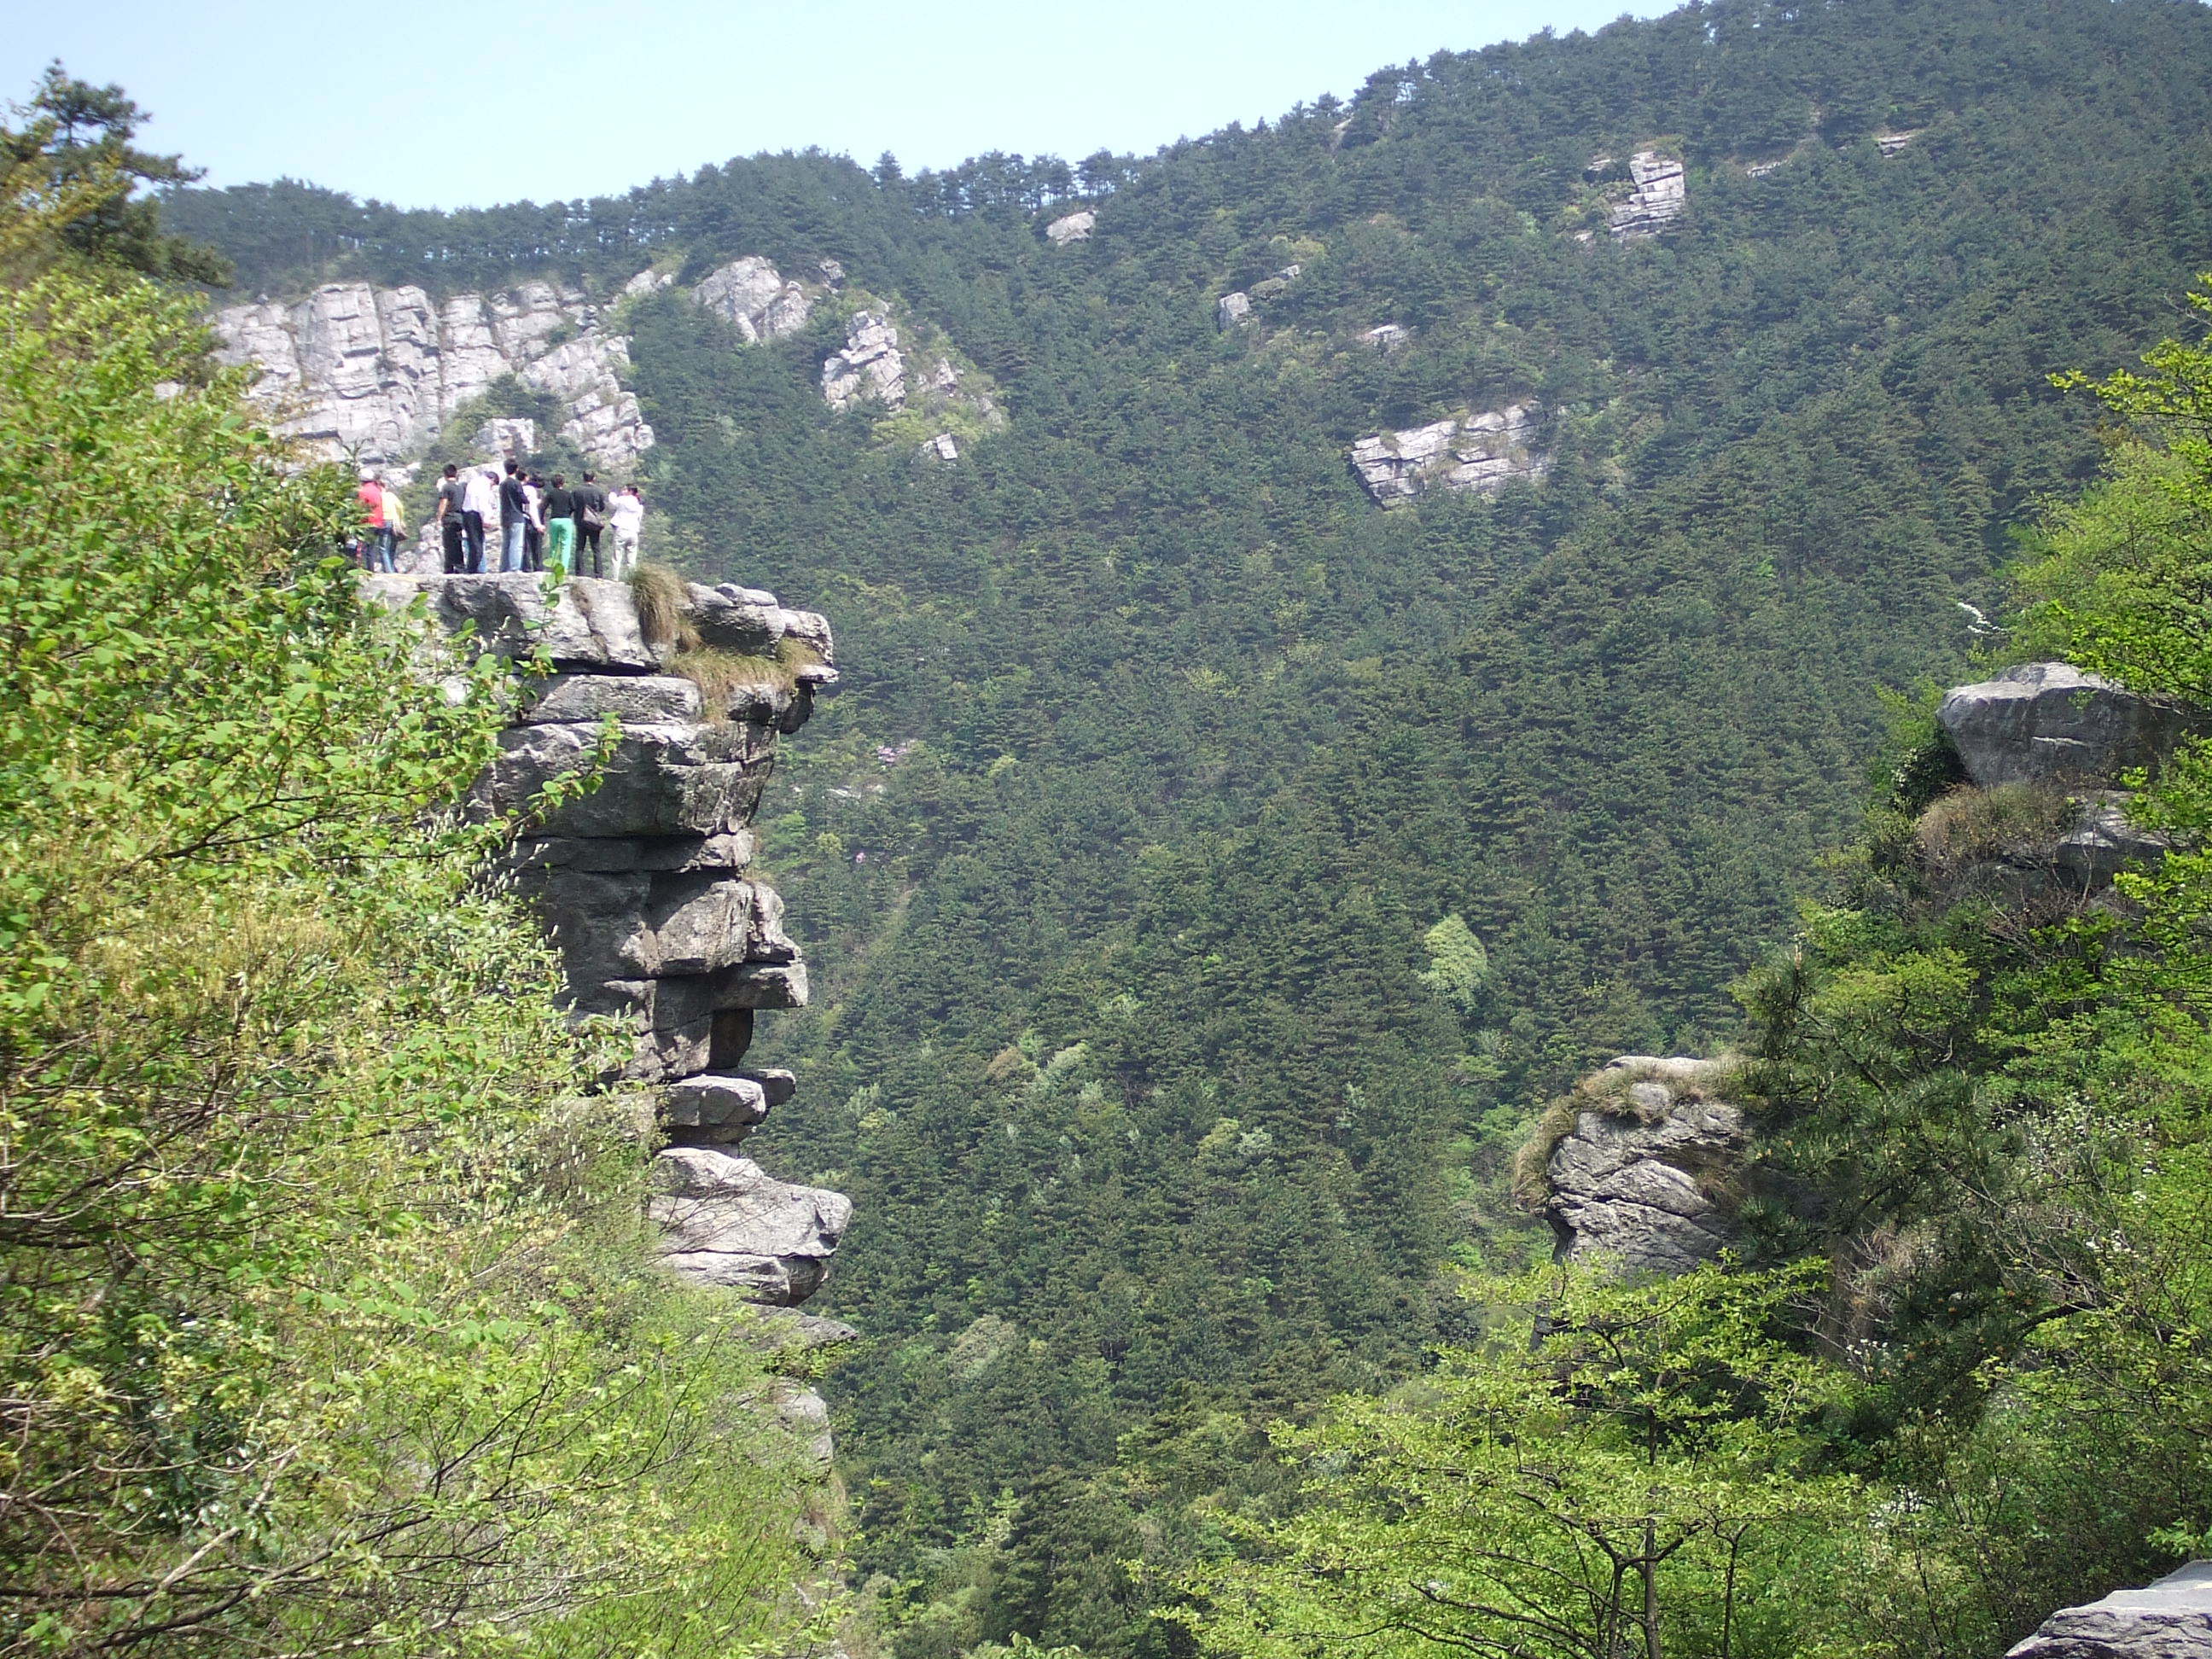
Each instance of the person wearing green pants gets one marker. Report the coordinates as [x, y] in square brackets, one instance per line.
[560, 526]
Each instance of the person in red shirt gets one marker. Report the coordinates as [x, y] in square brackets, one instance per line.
[378, 546]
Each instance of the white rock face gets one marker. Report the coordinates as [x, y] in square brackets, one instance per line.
[943, 448]
[507, 436]
[1233, 311]
[1890, 143]
[870, 367]
[1385, 336]
[1075, 227]
[373, 374]
[1657, 200]
[1469, 451]
[753, 297]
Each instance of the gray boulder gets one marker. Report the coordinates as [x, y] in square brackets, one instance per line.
[713, 1110]
[1640, 1176]
[2103, 840]
[683, 1023]
[2051, 722]
[584, 625]
[725, 1223]
[2169, 1619]
[730, 618]
[661, 780]
[661, 699]
[645, 925]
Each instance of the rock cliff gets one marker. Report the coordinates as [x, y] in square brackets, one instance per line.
[1464, 452]
[373, 374]
[643, 880]
[1638, 1166]
[1652, 197]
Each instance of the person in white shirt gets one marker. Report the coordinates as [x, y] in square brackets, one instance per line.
[627, 514]
[533, 538]
[479, 507]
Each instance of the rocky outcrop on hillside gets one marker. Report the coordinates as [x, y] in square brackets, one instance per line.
[1482, 452]
[1642, 1162]
[754, 298]
[2049, 722]
[1072, 227]
[2038, 817]
[2171, 1619]
[373, 374]
[1652, 197]
[643, 880]
[881, 367]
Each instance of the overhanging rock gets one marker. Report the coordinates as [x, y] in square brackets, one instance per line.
[2050, 722]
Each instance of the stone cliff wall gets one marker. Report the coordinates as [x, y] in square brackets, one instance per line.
[373, 374]
[644, 883]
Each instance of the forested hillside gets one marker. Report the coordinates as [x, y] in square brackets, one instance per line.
[1209, 872]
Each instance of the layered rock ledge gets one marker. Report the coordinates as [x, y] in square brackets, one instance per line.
[371, 374]
[2171, 1619]
[1482, 451]
[643, 880]
[1638, 1166]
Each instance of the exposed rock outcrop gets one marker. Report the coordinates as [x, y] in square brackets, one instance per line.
[642, 879]
[753, 297]
[1466, 451]
[869, 367]
[880, 364]
[1233, 311]
[2171, 1619]
[2049, 722]
[1642, 1170]
[1384, 337]
[1655, 194]
[1072, 227]
[725, 1224]
[373, 374]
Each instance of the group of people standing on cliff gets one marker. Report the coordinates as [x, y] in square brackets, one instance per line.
[538, 525]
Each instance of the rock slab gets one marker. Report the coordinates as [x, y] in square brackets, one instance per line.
[2169, 1619]
[725, 1223]
[2050, 722]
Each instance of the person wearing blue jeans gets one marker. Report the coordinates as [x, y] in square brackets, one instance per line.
[514, 517]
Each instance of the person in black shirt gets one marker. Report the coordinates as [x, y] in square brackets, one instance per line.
[451, 493]
[513, 520]
[590, 518]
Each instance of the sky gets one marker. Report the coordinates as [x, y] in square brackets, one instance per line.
[460, 103]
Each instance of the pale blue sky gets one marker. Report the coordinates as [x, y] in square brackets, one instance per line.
[452, 102]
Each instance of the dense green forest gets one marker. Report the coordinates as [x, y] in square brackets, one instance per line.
[1173, 1097]
[328, 1320]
